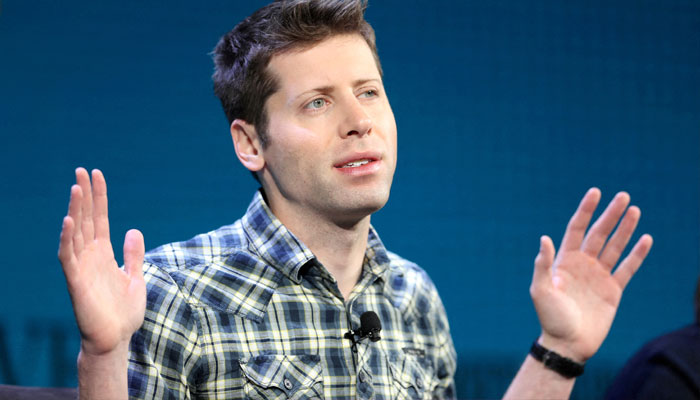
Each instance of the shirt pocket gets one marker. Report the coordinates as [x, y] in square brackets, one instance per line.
[279, 376]
[412, 377]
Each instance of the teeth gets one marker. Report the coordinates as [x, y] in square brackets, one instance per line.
[355, 163]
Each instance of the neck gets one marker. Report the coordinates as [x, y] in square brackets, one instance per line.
[340, 247]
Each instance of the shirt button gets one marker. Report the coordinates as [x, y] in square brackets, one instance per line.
[419, 383]
[288, 384]
[363, 376]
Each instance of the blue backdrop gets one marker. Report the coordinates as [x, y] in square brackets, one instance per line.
[507, 112]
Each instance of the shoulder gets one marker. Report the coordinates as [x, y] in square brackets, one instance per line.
[204, 248]
[681, 347]
[668, 361]
[410, 288]
[411, 272]
[217, 270]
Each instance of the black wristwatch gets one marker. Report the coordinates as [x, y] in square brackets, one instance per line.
[565, 367]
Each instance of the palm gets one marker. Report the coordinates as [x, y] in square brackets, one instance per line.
[575, 294]
[108, 302]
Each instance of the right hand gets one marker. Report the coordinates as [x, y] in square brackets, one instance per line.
[109, 303]
[575, 290]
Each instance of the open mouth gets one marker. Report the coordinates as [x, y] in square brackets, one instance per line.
[356, 163]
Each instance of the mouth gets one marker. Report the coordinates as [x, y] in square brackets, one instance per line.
[356, 163]
[359, 164]
[357, 160]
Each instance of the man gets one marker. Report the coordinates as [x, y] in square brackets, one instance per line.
[261, 308]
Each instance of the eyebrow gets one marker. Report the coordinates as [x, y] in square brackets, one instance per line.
[326, 89]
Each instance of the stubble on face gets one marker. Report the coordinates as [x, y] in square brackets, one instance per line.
[330, 108]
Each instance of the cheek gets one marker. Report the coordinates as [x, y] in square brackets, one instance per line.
[384, 118]
[388, 129]
[294, 149]
[391, 140]
[287, 137]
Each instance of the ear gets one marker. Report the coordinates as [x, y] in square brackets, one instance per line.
[247, 145]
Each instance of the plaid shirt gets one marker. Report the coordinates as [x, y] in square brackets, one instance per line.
[247, 312]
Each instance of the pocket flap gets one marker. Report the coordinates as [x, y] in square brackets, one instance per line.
[409, 373]
[285, 372]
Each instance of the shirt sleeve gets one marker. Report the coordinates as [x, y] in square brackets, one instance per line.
[445, 356]
[164, 353]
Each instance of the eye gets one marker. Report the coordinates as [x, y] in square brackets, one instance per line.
[369, 93]
[315, 104]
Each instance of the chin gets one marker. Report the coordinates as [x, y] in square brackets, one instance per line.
[361, 205]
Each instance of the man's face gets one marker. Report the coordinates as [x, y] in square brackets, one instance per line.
[332, 134]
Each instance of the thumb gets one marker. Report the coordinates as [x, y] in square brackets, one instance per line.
[544, 261]
[134, 250]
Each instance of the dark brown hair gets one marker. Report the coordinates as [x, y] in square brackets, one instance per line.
[241, 79]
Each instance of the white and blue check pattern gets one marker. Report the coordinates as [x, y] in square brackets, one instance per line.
[247, 312]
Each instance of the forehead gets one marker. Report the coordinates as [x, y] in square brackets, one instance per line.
[336, 60]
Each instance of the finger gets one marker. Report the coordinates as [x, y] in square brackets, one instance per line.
[617, 243]
[595, 239]
[65, 247]
[99, 198]
[75, 212]
[83, 179]
[633, 261]
[134, 250]
[542, 276]
[576, 229]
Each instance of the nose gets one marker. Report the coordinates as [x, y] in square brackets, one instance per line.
[357, 121]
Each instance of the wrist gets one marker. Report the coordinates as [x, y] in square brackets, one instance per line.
[96, 358]
[561, 347]
[562, 365]
[103, 375]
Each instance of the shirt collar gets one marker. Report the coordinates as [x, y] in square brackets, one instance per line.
[376, 255]
[273, 242]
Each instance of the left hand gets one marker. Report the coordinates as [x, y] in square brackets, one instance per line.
[576, 294]
[108, 302]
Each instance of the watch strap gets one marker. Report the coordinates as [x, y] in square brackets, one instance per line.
[564, 366]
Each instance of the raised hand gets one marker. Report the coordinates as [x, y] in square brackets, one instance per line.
[108, 302]
[576, 293]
